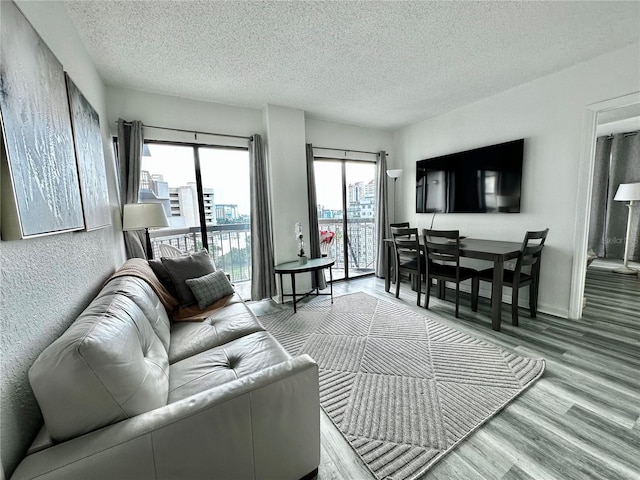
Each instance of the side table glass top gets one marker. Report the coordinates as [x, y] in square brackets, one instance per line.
[311, 265]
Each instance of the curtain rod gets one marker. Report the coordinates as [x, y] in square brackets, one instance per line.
[345, 150]
[195, 132]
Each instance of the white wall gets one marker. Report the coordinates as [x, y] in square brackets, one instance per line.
[288, 179]
[182, 113]
[549, 114]
[321, 133]
[46, 282]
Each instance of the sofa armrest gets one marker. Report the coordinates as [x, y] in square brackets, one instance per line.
[265, 425]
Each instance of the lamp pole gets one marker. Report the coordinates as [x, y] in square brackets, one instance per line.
[395, 174]
[394, 198]
[627, 192]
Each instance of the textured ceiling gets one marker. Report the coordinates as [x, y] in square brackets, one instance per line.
[383, 64]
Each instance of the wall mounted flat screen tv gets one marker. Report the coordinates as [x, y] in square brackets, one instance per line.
[483, 180]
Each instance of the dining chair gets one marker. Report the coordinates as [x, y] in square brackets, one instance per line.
[400, 225]
[442, 251]
[530, 255]
[408, 257]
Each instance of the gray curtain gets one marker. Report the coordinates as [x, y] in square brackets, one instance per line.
[130, 142]
[263, 281]
[382, 215]
[317, 278]
[599, 196]
[617, 161]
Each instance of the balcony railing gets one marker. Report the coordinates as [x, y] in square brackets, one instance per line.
[229, 246]
[361, 243]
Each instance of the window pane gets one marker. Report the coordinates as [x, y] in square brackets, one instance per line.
[361, 208]
[359, 258]
[225, 182]
[329, 203]
[168, 176]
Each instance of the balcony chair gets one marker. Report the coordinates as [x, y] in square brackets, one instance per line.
[326, 240]
[530, 254]
[408, 257]
[167, 250]
[442, 249]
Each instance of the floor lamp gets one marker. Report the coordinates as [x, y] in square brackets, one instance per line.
[141, 216]
[627, 192]
[395, 174]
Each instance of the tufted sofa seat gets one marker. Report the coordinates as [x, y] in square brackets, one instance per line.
[127, 394]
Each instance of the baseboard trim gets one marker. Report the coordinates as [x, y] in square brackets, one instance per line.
[523, 299]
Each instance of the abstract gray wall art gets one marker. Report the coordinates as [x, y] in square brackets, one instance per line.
[88, 144]
[42, 195]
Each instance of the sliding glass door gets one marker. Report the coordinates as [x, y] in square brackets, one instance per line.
[226, 191]
[205, 194]
[346, 204]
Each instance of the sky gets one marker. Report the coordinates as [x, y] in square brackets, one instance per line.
[329, 183]
[227, 172]
[224, 170]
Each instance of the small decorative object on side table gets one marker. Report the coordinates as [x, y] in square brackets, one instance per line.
[302, 258]
[326, 239]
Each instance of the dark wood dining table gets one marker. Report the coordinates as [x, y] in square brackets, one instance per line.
[495, 251]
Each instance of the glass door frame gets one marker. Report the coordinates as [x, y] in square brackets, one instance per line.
[345, 237]
[199, 187]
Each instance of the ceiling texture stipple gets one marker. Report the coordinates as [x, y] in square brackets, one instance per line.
[372, 63]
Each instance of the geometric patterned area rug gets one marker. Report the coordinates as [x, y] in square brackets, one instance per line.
[403, 389]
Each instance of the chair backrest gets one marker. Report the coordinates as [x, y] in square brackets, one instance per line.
[167, 250]
[531, 249]
[400, 225]
[442, 246]
[406, 242]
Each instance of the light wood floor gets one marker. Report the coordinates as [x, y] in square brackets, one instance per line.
[581, 420]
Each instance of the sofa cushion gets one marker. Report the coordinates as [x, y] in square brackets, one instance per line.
[108, 366]
[185, 267]
[145, 298]
[210, 288]
[238, 358]
[222, 326]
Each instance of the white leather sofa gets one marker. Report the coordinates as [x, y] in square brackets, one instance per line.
[125, 394]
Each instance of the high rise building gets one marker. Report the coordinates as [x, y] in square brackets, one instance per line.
[180, 203]
[184, 203]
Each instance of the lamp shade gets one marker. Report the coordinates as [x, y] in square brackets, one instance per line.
[627, 192]
[395, 173]
[138, 216]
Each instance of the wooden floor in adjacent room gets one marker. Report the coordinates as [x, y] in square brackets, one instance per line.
[581, 420]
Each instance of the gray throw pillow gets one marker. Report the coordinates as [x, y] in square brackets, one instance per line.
[161, 272]
[210, 288]
[185, 267]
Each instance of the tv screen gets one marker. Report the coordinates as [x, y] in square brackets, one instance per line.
[483, 180]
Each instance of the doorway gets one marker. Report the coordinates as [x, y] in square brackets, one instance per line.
[614, 110]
